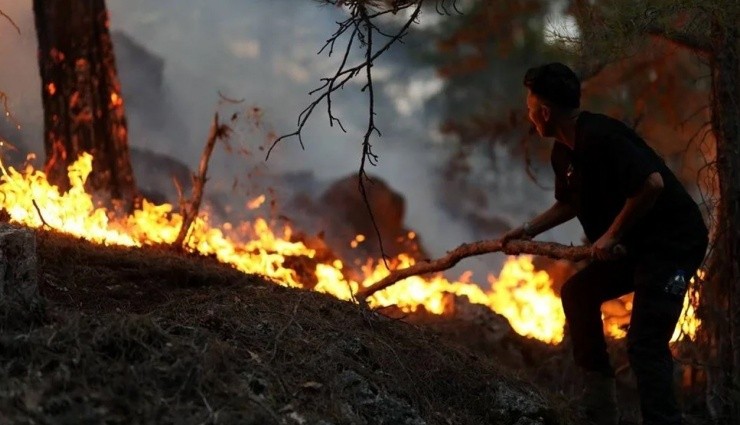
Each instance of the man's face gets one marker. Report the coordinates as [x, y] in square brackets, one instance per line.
[539, 115]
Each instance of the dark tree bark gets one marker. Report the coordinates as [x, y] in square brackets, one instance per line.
[721, 295]
[81, 95]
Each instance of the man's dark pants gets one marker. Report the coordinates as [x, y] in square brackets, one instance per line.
[654, 317]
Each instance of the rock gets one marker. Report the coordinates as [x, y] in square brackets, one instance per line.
[460, 307]
[364, 403]
[515, 402]
[155, 173]
[18, 265]
[496, 326]
[347, 216]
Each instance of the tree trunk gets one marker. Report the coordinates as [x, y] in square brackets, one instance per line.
[81, 95]
[721, 295]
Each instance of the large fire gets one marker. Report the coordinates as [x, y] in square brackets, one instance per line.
[520, 293]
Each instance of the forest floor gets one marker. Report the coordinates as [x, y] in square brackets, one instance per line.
[148, 336]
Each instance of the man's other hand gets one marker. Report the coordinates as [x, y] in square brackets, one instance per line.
[604, 248]
[516, 233]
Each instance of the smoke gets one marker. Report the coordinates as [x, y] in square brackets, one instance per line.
[19, 77]
[264, 51]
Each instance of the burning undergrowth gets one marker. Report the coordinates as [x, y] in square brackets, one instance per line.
[526, 296]
[153, 337]
[281, 356]
[275, 251]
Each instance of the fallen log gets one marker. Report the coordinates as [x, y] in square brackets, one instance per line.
[514, 247]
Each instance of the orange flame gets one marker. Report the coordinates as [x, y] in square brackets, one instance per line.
[520, 293]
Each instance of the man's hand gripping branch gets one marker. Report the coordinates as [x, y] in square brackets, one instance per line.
[559, 213]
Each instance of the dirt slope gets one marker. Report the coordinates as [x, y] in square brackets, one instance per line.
[129, 336]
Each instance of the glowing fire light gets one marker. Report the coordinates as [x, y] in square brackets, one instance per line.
[256, 202]
[357, 241]
[526, 298]
[115, 99]
[688, 323]
[520, 293]
[51, 88]
[687, 326]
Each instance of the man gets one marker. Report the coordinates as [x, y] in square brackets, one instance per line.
[647, 236]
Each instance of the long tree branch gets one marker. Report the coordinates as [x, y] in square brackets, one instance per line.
[515, 247]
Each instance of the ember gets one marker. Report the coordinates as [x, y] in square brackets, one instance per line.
[116, 100]
[256, 202]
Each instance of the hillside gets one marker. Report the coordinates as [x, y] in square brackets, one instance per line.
[149, 336]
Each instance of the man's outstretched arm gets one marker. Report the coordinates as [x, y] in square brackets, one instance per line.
[559, 213]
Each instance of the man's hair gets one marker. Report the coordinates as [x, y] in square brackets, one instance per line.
[555, 83]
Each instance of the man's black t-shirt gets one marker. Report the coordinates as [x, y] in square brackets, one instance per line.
[608, 164]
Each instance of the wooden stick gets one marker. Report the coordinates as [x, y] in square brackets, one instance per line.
[514, 247]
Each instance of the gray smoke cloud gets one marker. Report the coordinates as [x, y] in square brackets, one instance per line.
[264, 51]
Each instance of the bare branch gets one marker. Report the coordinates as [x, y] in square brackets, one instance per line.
[6, 107]
[443, 7]
[367, 150]
[41, 216]
[11, 21]
[344, 74]
[332, 118]
[178, 187]
[516, 247]
[190, 208]
[229, 99]
[361, 26]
